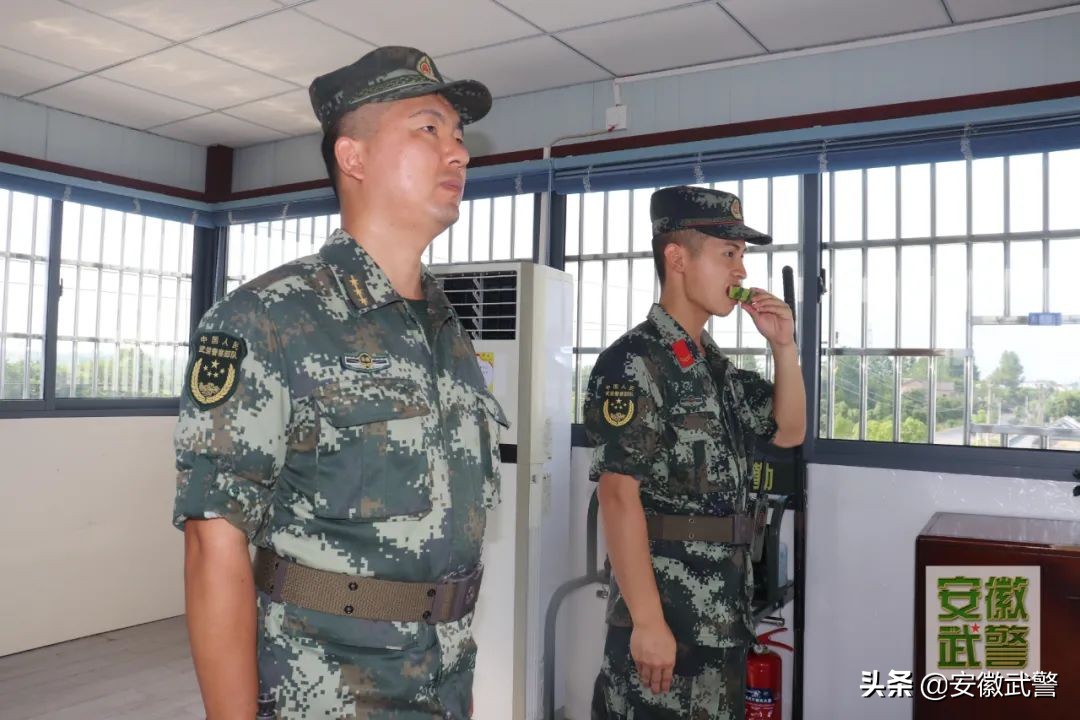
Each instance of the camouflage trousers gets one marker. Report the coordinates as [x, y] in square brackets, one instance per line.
[325, 666]
[708, 684]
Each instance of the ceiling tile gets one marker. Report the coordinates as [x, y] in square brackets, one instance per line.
[21, 74]
[70, 35]
[783, 25]
[196, 77]
[107, 100]
[969, 10]
[218, 129]
[179, 19]
[675, 38]
[290, 113]
[522, 66]
[437, 28]
[286, 44]
[563, 14]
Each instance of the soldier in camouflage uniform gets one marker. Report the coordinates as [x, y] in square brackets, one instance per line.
[674, 424]
[335, 416]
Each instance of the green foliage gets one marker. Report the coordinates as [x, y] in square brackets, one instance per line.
[114, 380]
[1066, 402]
[913, 430]
[879, 430]
[1009, 372]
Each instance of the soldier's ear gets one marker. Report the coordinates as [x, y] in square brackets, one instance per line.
[349, 153]
[675, 256]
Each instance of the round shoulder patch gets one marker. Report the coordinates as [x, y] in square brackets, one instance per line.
[618, 405]
[216, 368]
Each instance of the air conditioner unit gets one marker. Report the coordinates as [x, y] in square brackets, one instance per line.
[518, 315]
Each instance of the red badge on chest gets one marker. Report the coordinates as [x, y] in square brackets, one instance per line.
[682, 353]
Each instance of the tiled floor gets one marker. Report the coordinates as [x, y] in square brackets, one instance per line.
[144, 672]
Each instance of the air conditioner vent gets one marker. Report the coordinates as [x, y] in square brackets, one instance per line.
[486, 302]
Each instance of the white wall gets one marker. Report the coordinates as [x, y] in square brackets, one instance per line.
[860, 584]
[47, 134]
[86, 541]
[1020, 55]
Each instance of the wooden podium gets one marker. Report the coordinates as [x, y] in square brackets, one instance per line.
[1048, 550]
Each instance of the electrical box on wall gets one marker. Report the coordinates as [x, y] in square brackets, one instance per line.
[618, 117]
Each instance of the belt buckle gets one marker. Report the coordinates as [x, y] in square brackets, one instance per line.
[455, 597]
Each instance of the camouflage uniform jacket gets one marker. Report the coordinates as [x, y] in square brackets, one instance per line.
[685, 426]
[318, 419]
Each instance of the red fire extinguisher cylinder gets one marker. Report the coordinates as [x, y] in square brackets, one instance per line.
[764, 680]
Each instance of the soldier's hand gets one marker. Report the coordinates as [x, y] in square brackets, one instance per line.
[771, 316]
[653, 648]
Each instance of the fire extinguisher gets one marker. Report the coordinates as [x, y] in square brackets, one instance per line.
[764, 679]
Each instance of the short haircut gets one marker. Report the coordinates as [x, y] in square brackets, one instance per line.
[689, 239]
[360, 123]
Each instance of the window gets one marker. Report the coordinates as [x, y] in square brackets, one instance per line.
[487, 230]
[24, 261]
[953, 316]
[125, 304]
[255, 248]
[609, 253]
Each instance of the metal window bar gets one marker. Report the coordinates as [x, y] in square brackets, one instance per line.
[7, 222]
[580, 274]
[137, 355]
[74, 384]
[491, 230]
[830, 415]
[769, 266]
[630, 263]
[1044, 441]
[931, 400]
[97, 307]
[118, 342]
[864, 380]
[512, 230]
[469, 231]
[1046, 228]
[157, 279]
[899, 312]
[29, 307]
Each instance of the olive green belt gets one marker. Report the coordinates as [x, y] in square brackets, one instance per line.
[365, 597]
[731, 529]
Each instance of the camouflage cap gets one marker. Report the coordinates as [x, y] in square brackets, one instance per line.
[713, 212]
[392, 73]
